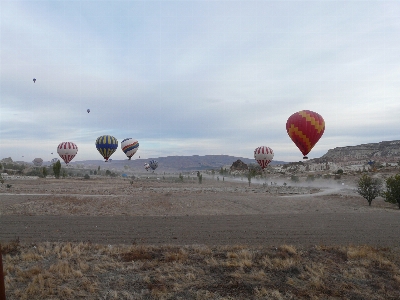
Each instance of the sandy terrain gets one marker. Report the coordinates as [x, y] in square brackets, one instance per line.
[151, 211]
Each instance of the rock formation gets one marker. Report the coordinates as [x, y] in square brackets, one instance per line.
[239, 166]
[387, 151]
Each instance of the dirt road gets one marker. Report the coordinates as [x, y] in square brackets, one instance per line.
[374, 228]
[214, 213]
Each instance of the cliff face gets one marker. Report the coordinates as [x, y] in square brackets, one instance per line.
[384, 151]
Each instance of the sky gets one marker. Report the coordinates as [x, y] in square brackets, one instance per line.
[196, 77]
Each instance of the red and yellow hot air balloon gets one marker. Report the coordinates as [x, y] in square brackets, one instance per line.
[305, 128]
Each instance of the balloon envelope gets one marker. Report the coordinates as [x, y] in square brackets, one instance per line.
[37, 162]
[106, 145]
[263, 155]
[129, 146]
[88, 110]
[153, 164]
[34, 80]
[67, 151]
[146, 166]
[305, 128]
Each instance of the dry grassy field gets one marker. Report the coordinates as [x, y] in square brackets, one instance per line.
[164, 239]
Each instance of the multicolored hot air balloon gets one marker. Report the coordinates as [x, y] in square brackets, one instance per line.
[37, 162]
[146, 166]
[305, 128]
[129, 146]
[106, 145]
[263, 155]
[153, 164]
[67, 151]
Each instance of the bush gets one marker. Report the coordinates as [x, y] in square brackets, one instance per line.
[392, 193]
[86, 176]
[310, 178]
[294, 178]
[369, 187]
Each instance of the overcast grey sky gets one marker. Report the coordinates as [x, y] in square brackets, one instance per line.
[196, 77]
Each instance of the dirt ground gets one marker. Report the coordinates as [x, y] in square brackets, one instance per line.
[151, 211]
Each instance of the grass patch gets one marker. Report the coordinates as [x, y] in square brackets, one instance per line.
[92, 271]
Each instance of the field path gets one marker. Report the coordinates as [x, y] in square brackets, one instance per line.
[380, 228]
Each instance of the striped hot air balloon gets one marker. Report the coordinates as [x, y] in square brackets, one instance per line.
[67, 151]
[153, 164]
[263, 155]
[305, 128]
[129, 146]
[106, 145]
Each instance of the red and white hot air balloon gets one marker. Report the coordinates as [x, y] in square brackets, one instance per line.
[67, 151]
[263, 155]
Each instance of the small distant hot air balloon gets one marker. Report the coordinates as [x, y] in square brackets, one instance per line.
[129, 146]
[146, 166]
[67, 151]
[54, 160]
[37, 162]
[88, 110]
[305, 128]
[106, 145]
[153, 164]
[34, 80]
[263, 155]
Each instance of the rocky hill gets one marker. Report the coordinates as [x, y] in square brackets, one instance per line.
[173, 163]
[387, 151]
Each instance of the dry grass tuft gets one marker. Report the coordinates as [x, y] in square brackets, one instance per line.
[90, 271]
[12, 247]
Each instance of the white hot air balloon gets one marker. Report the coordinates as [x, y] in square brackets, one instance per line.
[67, 151]
[263, 155]
[130, 147]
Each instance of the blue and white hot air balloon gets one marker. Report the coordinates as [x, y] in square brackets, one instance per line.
[153, 164]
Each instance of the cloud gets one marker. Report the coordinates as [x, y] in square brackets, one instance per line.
[193, 77]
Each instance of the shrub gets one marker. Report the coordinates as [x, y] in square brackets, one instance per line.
[294, 178]
[310, 178]
[369, 187]
[392, 193]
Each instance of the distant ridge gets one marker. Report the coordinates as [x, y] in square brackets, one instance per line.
[174, 163]
[386, 151]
